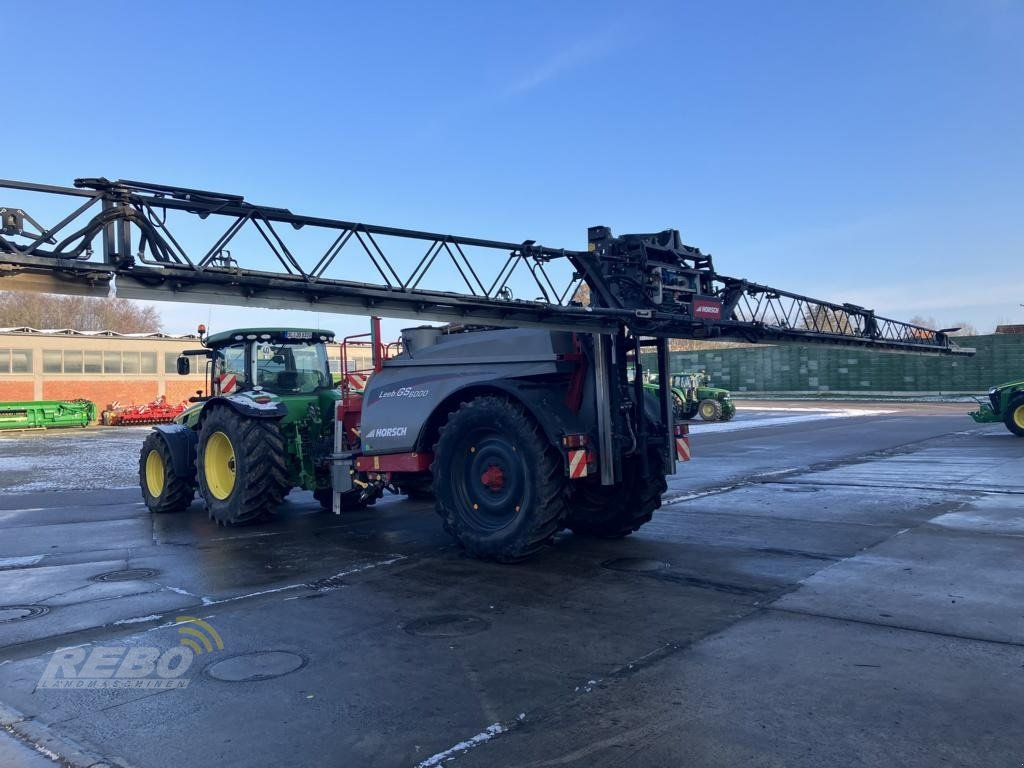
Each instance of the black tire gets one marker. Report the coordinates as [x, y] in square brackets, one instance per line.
[499, 485]
[259, 478]
[727, 414]
[678, 407]
[612, 512]
[350, 501]
[1014, 416]
[710, 410]
[171, 493]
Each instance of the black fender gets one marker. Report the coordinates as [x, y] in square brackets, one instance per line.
[181, 442]
[247, 407]
[544, 402]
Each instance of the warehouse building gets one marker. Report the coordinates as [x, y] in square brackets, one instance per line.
[107, 367]
[102, 366]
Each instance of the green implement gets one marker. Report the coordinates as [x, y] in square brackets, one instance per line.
[44, 414]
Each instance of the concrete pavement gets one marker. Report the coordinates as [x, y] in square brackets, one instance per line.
[838, 590]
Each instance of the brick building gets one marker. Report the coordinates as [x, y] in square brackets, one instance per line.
[101, 366]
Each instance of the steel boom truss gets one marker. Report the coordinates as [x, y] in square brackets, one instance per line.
[651, 284]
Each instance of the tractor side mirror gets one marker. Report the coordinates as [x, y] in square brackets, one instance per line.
[184, 366]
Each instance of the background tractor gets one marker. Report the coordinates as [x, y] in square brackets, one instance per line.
[693, 391]
[692, 396]
[264, 426]
[1005, 404]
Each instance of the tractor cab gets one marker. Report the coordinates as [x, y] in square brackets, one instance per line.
[279, 361]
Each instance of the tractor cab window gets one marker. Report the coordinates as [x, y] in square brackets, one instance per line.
[229, 374]
[292, 368]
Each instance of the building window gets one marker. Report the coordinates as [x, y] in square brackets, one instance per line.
[93, 362]
[148, 362]
[21, 361]
[130, 362]
[111, 362]
[5, 361]
[170, 362]
[72, 361]
[52, 361]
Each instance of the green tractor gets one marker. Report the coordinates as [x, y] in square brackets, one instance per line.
[694, 396]
[264, 426]
[1005, 404]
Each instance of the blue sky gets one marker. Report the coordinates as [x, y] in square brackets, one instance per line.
[866, 152]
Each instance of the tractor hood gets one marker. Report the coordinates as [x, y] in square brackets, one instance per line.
[1007, 385]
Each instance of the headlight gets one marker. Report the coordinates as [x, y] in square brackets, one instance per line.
[993, 390]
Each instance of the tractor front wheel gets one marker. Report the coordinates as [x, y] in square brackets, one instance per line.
[710, 410]
[240, 466]
[162, 489]
[499, 485]
[1013, 418]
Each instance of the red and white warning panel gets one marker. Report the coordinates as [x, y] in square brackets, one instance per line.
[578, 461]
[356, 381]
[682, 438]
[581, 460]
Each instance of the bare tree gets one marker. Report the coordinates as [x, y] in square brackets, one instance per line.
[826, 320]
[582, 295]
[966, 329]
[924, 322]
[43, 310]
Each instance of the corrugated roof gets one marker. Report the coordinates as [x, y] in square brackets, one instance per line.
[110, 334]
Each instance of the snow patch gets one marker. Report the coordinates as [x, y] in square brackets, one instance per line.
[19, 562]
[776, 421]
[139, 619]
[463, 746]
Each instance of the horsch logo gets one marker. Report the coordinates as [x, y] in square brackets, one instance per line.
[707, 309]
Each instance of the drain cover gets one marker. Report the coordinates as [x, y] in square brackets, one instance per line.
[9, 613]
[259, 665]
[641, 564]
[447, 625]
[131, 574]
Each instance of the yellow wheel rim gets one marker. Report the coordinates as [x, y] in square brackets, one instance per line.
[154, 474]
[1018, 416]
[219, 465]
[707, 411]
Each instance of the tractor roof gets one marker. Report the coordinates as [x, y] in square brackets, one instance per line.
[273, 334]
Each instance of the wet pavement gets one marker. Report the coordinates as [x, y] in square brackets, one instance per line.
[827, 584]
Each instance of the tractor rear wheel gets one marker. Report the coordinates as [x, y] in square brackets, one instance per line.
[499, 485]
[1014, 416]
[612, 512]
[710, 410]
[162, 489]
[678, 406]
[240, 466]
